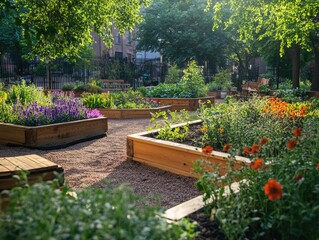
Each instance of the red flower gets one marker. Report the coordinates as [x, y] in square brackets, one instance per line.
[297, 132]
[292, 143]
[263, 141]
[207, 150]
[273, 189]
[246, 150]
[298, 177]
[254, 149]
[257, 164]
[226, 147]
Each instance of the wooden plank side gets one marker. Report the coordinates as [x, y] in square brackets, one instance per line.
[8, 183]
[164, 167]
[13, 134]
[186, 208]
[58, 134]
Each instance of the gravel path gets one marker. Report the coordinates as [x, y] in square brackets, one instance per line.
[92, 162]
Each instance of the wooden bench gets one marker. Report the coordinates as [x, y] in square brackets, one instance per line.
[39, 169]
[115, 85]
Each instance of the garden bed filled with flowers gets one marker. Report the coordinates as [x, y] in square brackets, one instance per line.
[30, 118]
[280, 195]
[123, 104]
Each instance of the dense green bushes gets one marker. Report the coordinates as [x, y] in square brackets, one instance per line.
[43, 212]
[191, 85]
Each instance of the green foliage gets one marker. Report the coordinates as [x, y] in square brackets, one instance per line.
[98, 101]
[249, 214]
[291, 95]
[68, 87]
[42, 212]
[26, 94]
[191, 85]
[118, 100]
[181, 31]
[58, 28]
[264, 89]
[193, 80]
[166, 132]
[221, 81]
[173, 74]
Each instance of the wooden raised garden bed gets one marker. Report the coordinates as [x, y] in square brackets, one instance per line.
[173, 157]
[190, 104]
[53, 135]
[131, 113]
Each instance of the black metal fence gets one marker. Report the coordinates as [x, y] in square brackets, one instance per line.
[61, 72]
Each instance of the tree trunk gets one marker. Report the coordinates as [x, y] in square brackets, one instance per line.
[315, 79]
[295, 59]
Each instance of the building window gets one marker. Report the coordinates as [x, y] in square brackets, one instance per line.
[118, 38]
[128, 37]
[118, 55]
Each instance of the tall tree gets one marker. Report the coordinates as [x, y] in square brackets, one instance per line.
[60, 28]
[293, 23]
[181, 30]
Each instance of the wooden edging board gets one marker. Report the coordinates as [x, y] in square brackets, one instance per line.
[53, 135]
[131, 113]
[190, 104]
[193, 205]
[174, 157]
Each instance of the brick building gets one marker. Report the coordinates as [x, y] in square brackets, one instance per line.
[123, 46]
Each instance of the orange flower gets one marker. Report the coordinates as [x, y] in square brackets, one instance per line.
[263, 141]
[318, 166]
[292, 143]
[203, 129]
[257, 164]
[298, 177]
[246, 150]
[273, 189]
[254, 149]
[226, 147]
[297, 132]
[207, 150]
[221, 130]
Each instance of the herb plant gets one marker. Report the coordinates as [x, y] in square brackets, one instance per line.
[43, 212]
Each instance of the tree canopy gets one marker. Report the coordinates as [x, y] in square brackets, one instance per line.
[60, 28]
[294, 24]
[181, 30]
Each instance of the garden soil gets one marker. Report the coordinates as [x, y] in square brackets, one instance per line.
[95, 162]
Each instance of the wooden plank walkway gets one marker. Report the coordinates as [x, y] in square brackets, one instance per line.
[38, 168]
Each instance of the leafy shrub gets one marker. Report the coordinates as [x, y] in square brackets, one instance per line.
[42, 212]
[26, 94]
[221, 81]
[68, 87]
[264, 89]
[278, 197]
[173, 74]
[121, 100]
[291, 95]
[98, 101]
[191, 85]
